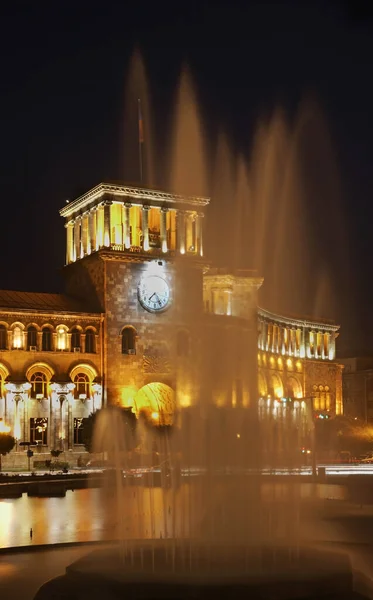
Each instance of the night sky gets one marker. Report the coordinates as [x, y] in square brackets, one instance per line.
[63, 74]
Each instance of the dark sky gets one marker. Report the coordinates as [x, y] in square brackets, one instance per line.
[63, 72]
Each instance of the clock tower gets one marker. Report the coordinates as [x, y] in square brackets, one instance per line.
[137, 256]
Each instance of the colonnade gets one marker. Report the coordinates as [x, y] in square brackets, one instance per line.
[296, 340]
[58, 413]
[133, 227]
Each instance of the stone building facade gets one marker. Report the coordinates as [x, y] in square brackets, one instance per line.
[148, 324]
[358, 387]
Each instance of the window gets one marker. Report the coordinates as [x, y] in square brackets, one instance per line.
[17, 337]
[32, 337]
[128, 341]
[182, 343]
[75, 338]
[3, 337]
[39, 385]
[78, 430]
[61, 338]
[82, 385]
[90, 341]
[46, 339]
[39, 431]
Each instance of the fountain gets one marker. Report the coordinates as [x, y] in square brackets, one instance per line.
[213, 530]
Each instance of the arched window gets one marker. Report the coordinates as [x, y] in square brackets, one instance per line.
[61, 338]
[32, 337]
[82, 386]
[46, 339]
[3, 337]
[128, 341]
[75, 338]
[182, 343]
[39, 385]
[17, 337]
[90, 341]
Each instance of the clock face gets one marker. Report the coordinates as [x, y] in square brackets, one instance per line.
[154, 293]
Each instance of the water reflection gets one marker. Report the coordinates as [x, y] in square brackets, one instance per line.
[90, 514]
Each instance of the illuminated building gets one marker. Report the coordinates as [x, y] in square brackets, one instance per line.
[145, 323]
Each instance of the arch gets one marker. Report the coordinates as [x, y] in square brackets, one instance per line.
[17, 324]
[46, 338]
[156, 401]
[39, 385]
[39, 375]
[40, 367]
[129, 335]
[182, 343]
[294, 387]
[17, 329]
[3, 336]
[32, 324]
[85, 368]
[82, 385]
[32, 337]
[90, 341]
[4, 372]
[276, 387]
[75, 337]
[262, 385]
[62, 339]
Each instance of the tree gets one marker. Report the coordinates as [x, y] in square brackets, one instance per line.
[344, 434]
[110, 429]
[7, 443]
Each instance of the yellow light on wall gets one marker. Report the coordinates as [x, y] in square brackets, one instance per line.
[279, 362]
[17, 337]
[278, 392]
[289, 363]
[184, 400]
[61, 339]
[272, 361]
[128, 394]
[155, 416]
[4, 428]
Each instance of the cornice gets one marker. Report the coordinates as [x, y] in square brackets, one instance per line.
[140, 195]
[307, 323]
[70, 316]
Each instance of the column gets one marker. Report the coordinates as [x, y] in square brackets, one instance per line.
[107, 228]
[294, 341]
[163, 229]
[77, 231]
[85, 233]
[92, 231]
[145, 227]
[199, 241]
[82, 341]
[302, 349]
[265, 336]
[70, 430]
[69, 241]
[39, 336]
[332, 346]
[180, 230]
[308, 344]
[126, 226]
